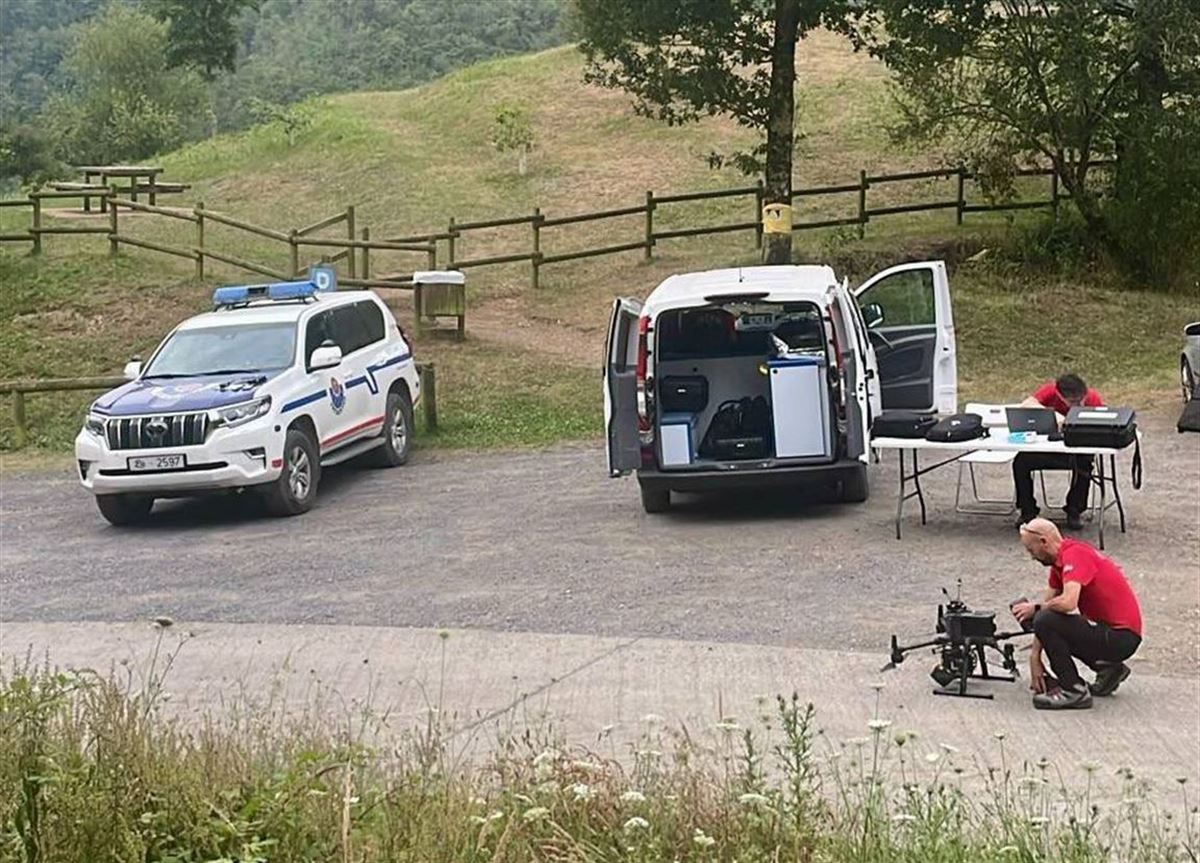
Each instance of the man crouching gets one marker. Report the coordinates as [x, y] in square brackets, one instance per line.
[1089, 612]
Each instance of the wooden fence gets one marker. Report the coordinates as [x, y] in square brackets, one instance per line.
[17, 390]
[355, 248]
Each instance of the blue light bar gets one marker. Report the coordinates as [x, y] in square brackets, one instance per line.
[238, 294]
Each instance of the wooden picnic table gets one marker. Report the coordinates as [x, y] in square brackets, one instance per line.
[133, 172]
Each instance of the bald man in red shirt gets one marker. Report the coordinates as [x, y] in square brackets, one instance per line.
[1089, 612]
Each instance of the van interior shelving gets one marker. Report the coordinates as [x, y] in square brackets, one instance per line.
[771, 359]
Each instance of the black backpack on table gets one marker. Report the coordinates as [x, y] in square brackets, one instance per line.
[902, 424]
[957, 428]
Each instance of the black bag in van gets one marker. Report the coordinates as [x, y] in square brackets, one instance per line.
[903, 424]
[740, 429]
[684, 394]
[957, 428]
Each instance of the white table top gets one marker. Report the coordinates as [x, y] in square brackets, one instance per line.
[997, 441]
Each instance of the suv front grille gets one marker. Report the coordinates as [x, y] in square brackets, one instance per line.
[153, 432]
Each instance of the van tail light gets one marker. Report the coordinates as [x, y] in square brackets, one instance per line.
[643, 348]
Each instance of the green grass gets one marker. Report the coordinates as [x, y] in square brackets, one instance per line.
[91, 769]
[409, 160]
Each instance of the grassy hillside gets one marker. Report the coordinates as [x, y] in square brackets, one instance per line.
[409, 160]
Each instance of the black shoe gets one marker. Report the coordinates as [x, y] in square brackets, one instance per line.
[1108, 679]
[1074, 521]
[1025, 519]
[1063, 699]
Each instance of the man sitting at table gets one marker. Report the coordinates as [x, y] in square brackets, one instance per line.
[1059, 395]
[1088, 612]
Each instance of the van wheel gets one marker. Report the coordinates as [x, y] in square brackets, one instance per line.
[656, 500]
[855, 486]
[396, 434]
[122, 509]
[296, 489]
[1187, 379]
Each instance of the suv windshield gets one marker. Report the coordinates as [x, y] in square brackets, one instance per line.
[225, 350]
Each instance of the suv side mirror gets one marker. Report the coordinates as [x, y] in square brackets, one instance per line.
[872, 315]
[326, 356]
[133, 368]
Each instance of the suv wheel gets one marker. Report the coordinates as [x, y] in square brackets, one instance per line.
[655, 500]
[120, 509]
[1187, 379]
[397, 432]
[296, 489]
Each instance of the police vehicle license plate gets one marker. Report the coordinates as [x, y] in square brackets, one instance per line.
[157, 462]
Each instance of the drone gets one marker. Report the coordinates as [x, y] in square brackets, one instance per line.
[961, 644]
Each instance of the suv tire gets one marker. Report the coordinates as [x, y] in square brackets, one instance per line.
[122, 509]
[296, 489]
[1187, 379]
[855, 486]
[397, 432]
[656, 500]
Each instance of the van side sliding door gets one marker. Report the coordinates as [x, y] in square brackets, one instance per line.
[911, 326]
[620, 388]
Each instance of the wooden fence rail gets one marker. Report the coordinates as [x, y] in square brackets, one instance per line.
[355, 249]
[18, 389]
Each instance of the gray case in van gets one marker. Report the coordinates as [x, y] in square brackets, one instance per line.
[800, 407]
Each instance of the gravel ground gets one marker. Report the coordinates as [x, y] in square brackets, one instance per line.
[543, 542]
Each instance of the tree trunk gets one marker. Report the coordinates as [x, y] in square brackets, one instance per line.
[777, 189]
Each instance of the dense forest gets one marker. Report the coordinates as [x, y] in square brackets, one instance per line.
[55, 51]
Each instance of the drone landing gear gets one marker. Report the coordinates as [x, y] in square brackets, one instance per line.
[957, 666]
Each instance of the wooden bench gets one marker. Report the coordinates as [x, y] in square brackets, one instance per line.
[84, 189]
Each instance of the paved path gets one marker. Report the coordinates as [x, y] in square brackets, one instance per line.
[597, 691]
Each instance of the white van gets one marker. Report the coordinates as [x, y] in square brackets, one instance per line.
[769, 375]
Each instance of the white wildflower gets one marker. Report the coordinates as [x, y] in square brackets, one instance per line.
[607, 730]
[636, 823]
[933, 757]
[999, 735]
[1090, 766]
[587, 766]
[877, 685]
[703, 839]
[652, 719]
[633, 797]
[546, 756]
[752, 799]
[728, 725]
[904, 818]
[858, 741]
[537, 813]
[1039, 820]
[582, 791]
[879, 725]
[948, 748]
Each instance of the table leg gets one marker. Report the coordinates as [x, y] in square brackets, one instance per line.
[917, 483]
[1117, 491]
[900, 496]
[1103, 498]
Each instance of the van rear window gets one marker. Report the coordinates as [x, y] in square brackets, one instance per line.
[737, 331]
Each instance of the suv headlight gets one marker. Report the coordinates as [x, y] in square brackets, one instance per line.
[236, 415]
[95, 425]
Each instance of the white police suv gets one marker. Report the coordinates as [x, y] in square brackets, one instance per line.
[276, 383]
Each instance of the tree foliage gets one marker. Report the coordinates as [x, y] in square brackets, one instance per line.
[1061, 82]
[125, 102]
[512, 131]
[201, 34]
[688, 59]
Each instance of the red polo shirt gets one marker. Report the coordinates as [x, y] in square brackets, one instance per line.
[1105, 595]
[1047, 395]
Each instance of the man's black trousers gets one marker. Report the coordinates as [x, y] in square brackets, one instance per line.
[1066, 637]
[1081, 479]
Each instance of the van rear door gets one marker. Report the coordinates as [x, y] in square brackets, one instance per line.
[911, 327]
[620, 388]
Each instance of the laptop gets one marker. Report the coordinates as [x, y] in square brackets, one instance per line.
[1042, 421]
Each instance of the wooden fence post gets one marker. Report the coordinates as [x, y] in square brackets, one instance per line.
[451, 235]
[429, 396]
[649, 253]
[366, 253]
[36, 223]
[431, 260]
[758, 214]
[198, 212]
[294, 254]
[20, 436]
[962, 198]
[862, 203]
[351, 234]
[113, 245]
[535, 258]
